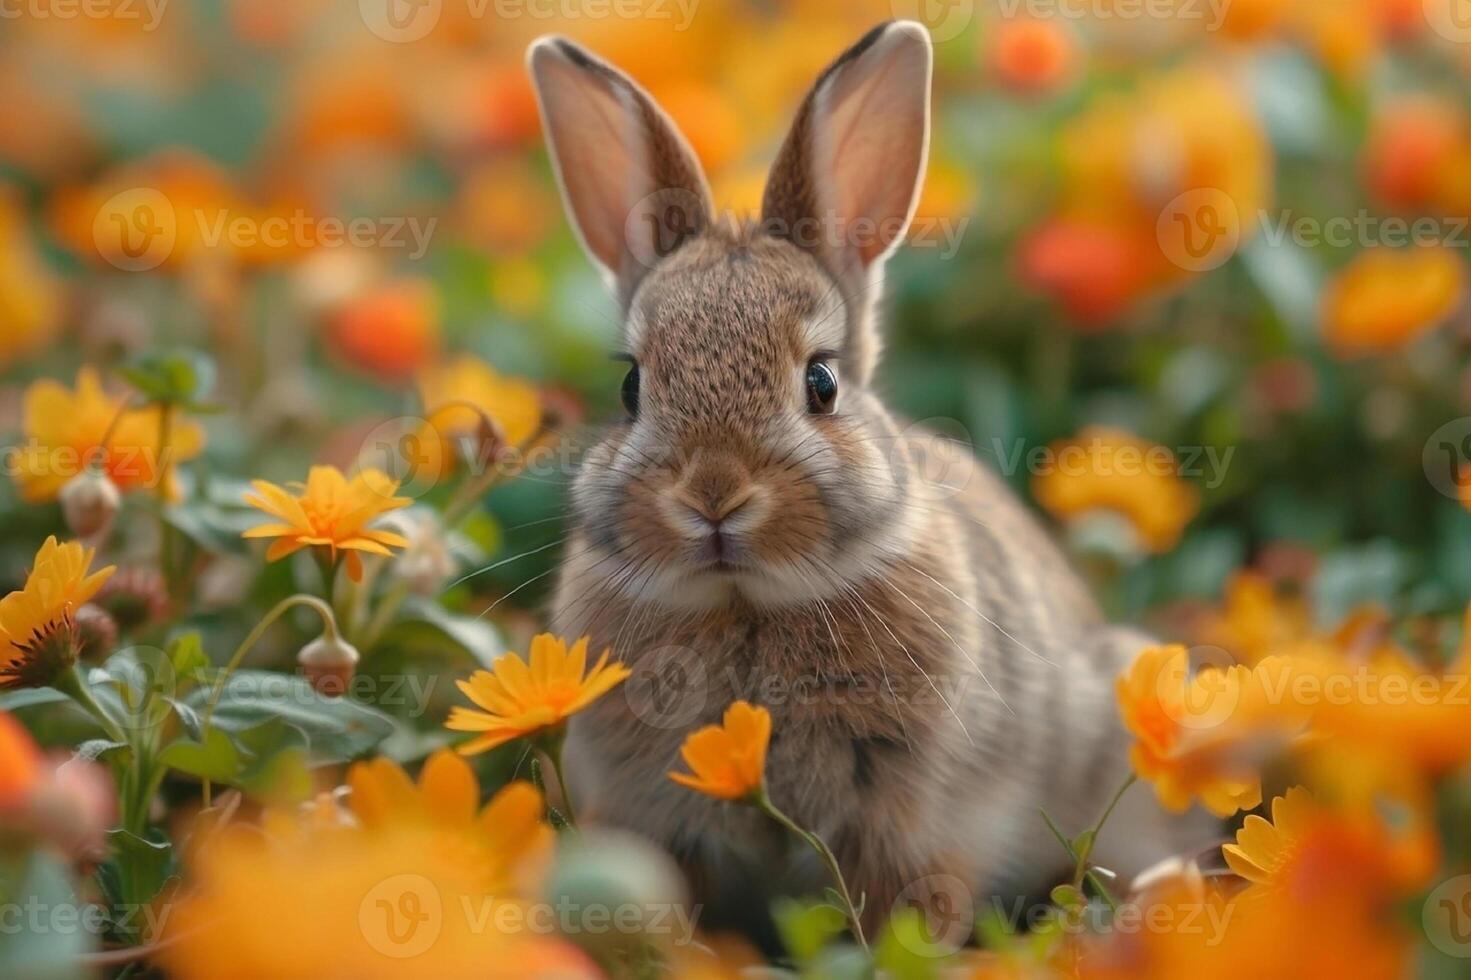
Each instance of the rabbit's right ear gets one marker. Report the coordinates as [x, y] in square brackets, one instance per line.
[633, 188]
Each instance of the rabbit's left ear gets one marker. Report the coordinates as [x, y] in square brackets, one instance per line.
[847, 180]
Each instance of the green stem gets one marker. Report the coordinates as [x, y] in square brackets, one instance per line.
[329, 630]
[383, 615]
[554, 752]
[165, 531]
[74, 685]
[764, 804]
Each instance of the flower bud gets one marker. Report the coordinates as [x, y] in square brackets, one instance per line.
[428, 561]
[328, 662]
[89, 502]
[96, 631]
[136, 596]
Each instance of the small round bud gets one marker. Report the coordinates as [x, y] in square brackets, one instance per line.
[89, 502]
[96, 631]
[136, 596]
[328, 662]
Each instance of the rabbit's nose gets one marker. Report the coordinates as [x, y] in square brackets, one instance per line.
[715, 488]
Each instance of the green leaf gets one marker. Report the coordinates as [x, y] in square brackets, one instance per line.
[277, 769]
[43, 954]
[133, 686]
[806, 928]
[187, 657]
[336, 729]
[475, 636]
[907, 951]
[176, 377]
[100, 748]
[135, 873]
[215, 758]
[29, 697]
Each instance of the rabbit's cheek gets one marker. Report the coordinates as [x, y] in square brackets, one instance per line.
[797, 523]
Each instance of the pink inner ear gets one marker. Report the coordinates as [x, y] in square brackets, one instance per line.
[597, 152]
[871, 134]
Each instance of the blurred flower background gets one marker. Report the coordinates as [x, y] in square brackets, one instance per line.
[1191, 274]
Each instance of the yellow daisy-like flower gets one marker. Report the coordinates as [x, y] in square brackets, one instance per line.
[455, 394]
[1263, 847]
[329, 512]
[1110, 470]
[508, 839]
[64, 432]
[1205, 736]
[728, 760]
[38, 637]
[523, 699]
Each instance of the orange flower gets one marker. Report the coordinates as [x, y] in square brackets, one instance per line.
[508, 839]
[455, 394]
[522, 699]
[1092, 268]
[38, 634]
[330, 513]
[1032, 55]
[318, 897]
[1206, 736]
[1111, 470]
[20, 765]
[1254, 620]
[389, 332]
[30, 295]
[728, 760]
[1413, 146]
[65, 430]
[1387, 298]
[1394, 717]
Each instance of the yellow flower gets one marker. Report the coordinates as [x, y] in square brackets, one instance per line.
[329, 512]
[64, 432]
[30, 296]
[1254, 620]
[1206, 736]
[728, 760]
[1104, 469]
[506, 840]
[1263, 847]
[1277, 855]
[1387, 298]
[454, 396]
[521, 699]
[1395, 716]
[38, 637]
[319, 899]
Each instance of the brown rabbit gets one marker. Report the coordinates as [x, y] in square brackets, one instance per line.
[762, 527]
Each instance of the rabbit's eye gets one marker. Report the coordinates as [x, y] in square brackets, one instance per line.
[629, 392]
[822, 387]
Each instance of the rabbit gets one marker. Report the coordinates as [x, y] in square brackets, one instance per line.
[758, 525]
